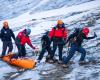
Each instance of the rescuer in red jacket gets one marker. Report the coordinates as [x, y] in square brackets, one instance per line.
[21, 39]
[58, 35]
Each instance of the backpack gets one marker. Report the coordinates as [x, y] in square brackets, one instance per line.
[77, 31]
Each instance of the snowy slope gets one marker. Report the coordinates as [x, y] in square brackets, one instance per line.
[13, 8]
[41, 15]
[26, 17]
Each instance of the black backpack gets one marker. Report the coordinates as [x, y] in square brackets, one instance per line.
[78, 32]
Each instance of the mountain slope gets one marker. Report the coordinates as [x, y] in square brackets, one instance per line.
[42, 15]
[13, 8]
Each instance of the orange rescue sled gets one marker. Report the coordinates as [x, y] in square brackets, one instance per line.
[25, 63]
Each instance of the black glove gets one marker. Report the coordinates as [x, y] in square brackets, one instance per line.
[95, 35]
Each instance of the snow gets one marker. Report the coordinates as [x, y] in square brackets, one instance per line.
[41, 3]
[5, 69]
[86, 73]
[24, 18]
[33, 75]
[41, 21]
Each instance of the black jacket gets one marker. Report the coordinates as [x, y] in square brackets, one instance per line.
[78, 38]
[45, 40]
[6, 34]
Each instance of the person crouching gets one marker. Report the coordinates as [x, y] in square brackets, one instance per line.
[21, 39]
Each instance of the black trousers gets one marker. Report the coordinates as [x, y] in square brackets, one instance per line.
[44, 48]
[60, 48]
[21, 48]
[5, 45]
[58, 42]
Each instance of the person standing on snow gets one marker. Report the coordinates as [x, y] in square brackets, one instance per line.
[21, 39]
[6, 34]
[58, 35]
[76, 40]
[45, 40]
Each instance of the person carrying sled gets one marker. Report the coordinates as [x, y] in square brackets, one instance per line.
[45, 40]
[21, 39]
[6, 34]
[76, 40]
[58, 35]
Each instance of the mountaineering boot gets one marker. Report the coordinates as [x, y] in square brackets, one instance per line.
[54, 59]
[60, 62]
[47, 58]
[64, 65]
[71, 62]
[83, 62]
[51, 61]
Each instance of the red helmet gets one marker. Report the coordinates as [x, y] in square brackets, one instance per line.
[85, 30]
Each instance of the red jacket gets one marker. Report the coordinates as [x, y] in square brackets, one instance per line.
[24, 39]
[58, 32]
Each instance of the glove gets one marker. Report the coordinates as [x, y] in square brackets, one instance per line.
[95, 35]
[37, 51]
[33, 47]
